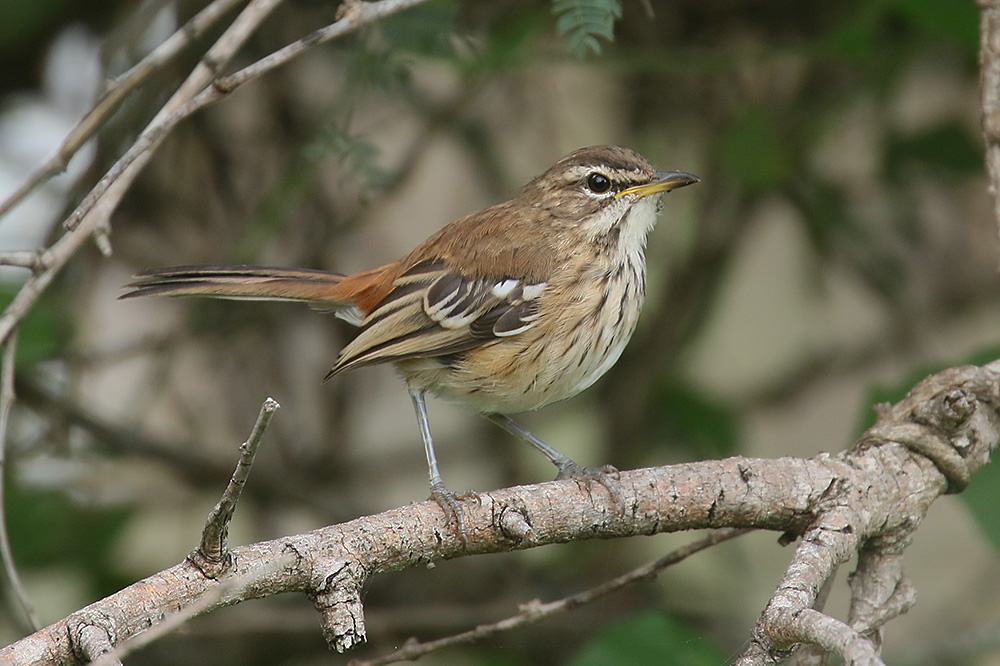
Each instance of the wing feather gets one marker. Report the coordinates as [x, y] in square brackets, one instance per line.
[434, 311]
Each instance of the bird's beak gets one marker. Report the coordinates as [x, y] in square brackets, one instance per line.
[663, 181]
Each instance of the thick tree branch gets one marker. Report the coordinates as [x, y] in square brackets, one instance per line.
[869, 499]
[950, 420]
[535, 611]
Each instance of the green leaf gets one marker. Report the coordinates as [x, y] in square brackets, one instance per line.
[650, 638]
[583, 21]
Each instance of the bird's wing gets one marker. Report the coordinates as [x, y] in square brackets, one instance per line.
[433, 310]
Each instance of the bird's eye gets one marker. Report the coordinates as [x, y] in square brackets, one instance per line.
[598, 183]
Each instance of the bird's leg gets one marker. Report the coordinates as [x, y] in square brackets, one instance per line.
[446, 499]
[607, 475]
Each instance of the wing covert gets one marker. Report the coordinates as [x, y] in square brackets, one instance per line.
[433, 311]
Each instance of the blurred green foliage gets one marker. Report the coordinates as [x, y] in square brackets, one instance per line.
[46, 528]
[28, 26]
[754, 151]
[425, 30]
[22, 21]
[983, 497]
[954, 22]
[584, 23]
[649, 637]
[708, 427]
[887, 32]
[43, 333]
[948, 146]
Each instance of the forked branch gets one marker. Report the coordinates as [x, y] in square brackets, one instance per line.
[945, 429]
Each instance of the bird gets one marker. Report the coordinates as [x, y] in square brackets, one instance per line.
[506, 310]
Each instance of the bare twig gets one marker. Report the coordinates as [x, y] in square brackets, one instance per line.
[213, 556]
[196, 93]
[178, 107]
[535, 611]
[353, 15]
[29, 259]
[172, 45]
[6, 403]
[115, 93]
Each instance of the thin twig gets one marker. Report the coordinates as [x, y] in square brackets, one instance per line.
[212, 555]
[30, 259]
[198, 469]
[534, 611]
[353, 15]
[6, 403]
[174, 44]
[115, 93]
[180, 105]
[95, 210]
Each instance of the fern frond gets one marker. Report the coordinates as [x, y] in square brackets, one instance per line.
[584, 21]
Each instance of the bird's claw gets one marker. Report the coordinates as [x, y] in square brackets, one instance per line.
[585, 476]
[451, 504]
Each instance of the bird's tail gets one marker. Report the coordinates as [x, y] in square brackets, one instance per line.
[257, 283]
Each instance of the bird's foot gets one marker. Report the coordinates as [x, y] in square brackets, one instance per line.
[451, 504]
[585, 476]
